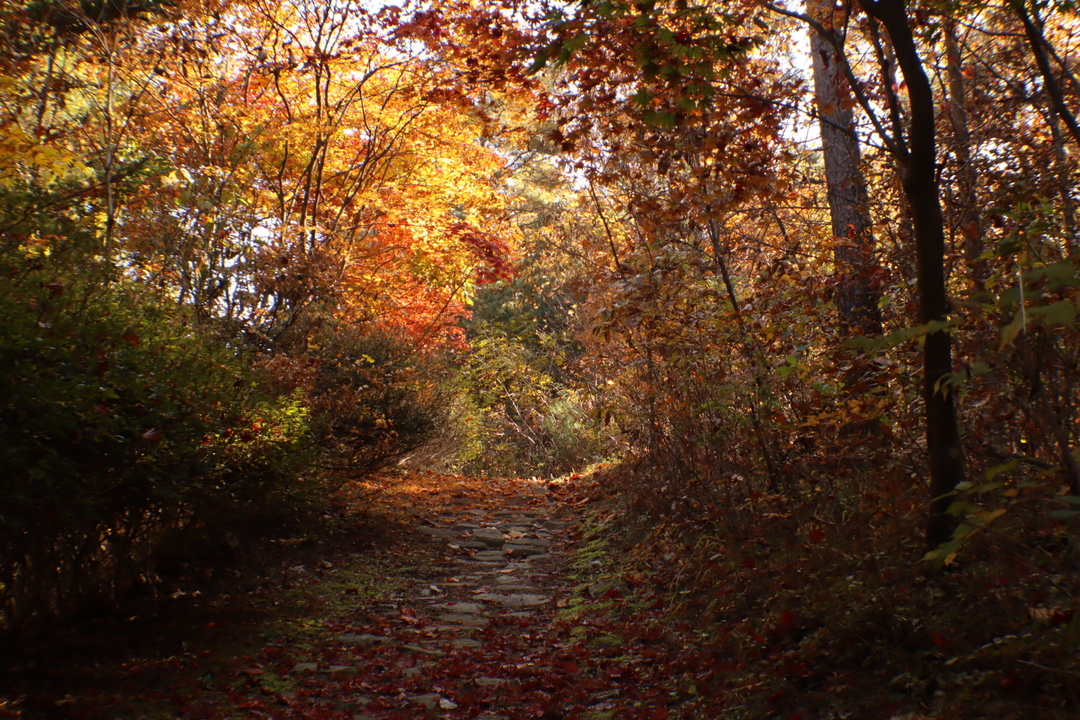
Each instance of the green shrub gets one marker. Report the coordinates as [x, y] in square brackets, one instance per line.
[373, 399]
[122, 422]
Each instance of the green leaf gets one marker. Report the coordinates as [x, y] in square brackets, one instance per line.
[960, 507]
[575, 43]
[1061, 313]
[1061, 273]
[1003, 468]
[1010, 331]
[1009, 298]
[666, 120]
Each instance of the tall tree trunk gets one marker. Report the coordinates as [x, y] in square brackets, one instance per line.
[1065, 190]
[919, 161]
[849, 205]
[969, 219]
[1040, 50]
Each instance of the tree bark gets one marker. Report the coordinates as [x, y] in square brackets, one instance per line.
[969, 219]
[1039, 47]
[849, 205]
[920, 183]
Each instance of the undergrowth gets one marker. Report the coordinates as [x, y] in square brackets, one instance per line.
[799, 606]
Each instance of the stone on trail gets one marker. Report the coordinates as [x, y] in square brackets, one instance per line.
[514, 599]
[465, 643]
[541, 556]
[490, 555]
[412, 647]
[469, 620]
[428, 700]
[531, 541]
[515, 550]
[461, 608]
[303, 667]
[437, 532]
[492, 537]
[337, 669]
[471, 545]
[489, 682]
[364, 640]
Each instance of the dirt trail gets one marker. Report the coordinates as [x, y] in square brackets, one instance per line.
[454, 615]
[472, 634]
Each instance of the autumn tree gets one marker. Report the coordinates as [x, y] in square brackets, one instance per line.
[849, 203]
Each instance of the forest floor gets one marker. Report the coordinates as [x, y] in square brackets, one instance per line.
[439, 596]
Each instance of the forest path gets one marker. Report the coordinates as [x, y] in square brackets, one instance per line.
[442, 596]
[471, 633]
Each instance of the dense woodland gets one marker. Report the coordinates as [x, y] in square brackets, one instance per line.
[799, 280]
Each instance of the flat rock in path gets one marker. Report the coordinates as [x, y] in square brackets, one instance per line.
[461, 608]
[437, 532]
[513, 599]
[539, 542]
[491, 555]
[492, 537]
[489, 682]
[541, 556]
[557, 524]
[338, 669]
[465, 643]
[517, 550]
[364, 640]
[303, 667]
[423, 650]
[468, 620]
[471, 545]
[428, 700]
[506, 580]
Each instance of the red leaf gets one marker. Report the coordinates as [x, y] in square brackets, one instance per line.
[749, 563]
[816, 536]
[409, 616]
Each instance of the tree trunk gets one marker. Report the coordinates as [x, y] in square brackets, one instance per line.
[969, 219]
[919, 161]
[849, 206]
